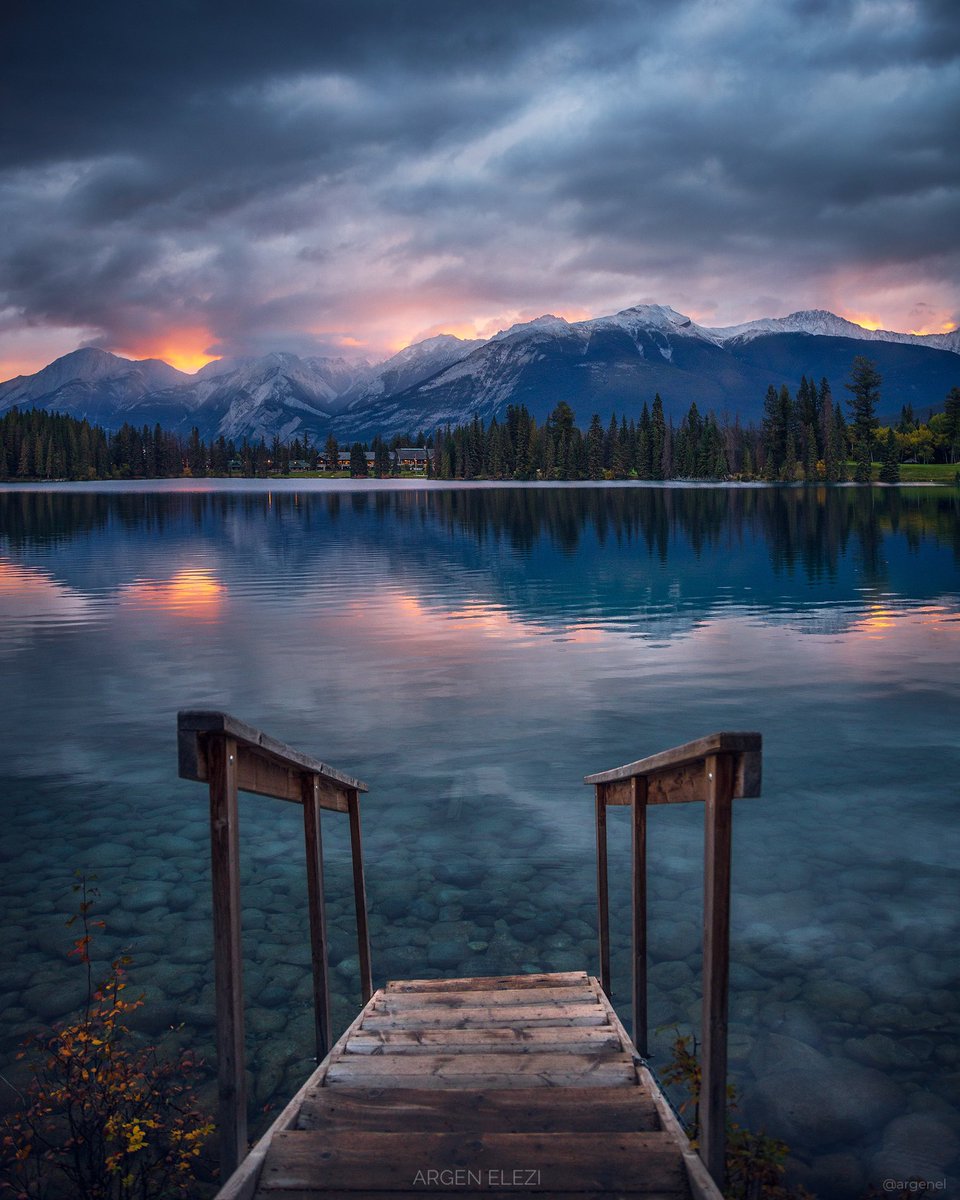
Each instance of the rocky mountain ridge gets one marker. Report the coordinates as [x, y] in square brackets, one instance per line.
[609, 363]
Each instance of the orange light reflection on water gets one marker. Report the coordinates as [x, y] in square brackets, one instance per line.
[420, 628]
[28, 592]
[194, 593]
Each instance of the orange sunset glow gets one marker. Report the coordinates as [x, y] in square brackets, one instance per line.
[185, 349]
[861, 319]
[941, 327]
[193, 593]
[484, 327]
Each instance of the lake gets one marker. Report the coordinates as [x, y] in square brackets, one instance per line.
[471, 653]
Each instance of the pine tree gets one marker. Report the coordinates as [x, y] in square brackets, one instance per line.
[840, 435]
[788, 472]
[774, 436]
[643, 444]
[196, 456]
[621, 451]
[828, 434]
[610, 443]
[890, 462]
[808, 414]
[952, 411]
[595, 448]
[666, 458]
[358, 461]
[381, 458]
[864, 385]
[658, 439]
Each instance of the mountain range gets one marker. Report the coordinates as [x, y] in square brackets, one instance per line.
[607, 364]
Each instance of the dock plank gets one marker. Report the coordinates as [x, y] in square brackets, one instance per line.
[483, 997]
[485, 1070]
[501, 1074]
[539, 1163]
[490, 982]
[518, 1110]
[569, 1039]
[586, 1012]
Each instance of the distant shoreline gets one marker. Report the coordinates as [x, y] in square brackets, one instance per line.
[214, 484]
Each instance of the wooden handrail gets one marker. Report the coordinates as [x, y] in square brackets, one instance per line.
[230, 757]
[715, 770]
[265, 766]
[677, 776]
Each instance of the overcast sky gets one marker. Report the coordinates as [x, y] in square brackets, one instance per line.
[331, 177]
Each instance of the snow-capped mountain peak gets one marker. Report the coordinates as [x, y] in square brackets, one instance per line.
[608, 363]
[548, 323]
[653, 318]
[818, 322]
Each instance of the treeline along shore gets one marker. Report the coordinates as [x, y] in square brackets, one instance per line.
[803, 437]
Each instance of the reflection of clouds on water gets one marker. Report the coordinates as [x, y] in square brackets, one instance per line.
[31, 600]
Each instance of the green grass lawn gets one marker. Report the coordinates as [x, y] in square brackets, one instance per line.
[928, 472]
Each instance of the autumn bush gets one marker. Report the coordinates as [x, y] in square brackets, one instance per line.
[103, 1117]
[755, 1163]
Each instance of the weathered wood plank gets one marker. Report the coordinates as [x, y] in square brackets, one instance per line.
[242, 1184]
[638, 933]
[515, 1110]
[688, 754]
[360, 897]
[483, 1041]
[603, 898]
[489, 982]
[483, 998]
[679, 785]
[461, 1194]
[317, 915]
[484, 1070]
[227, 952]
[716, 961]
[442, 1062]
[547, 1163]
[193, 725]
[702, 1186]
[487, 1016]
[607, 1078]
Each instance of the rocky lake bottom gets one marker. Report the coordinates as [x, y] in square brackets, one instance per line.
[853, 1063]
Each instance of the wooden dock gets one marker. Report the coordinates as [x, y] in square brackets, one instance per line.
[482, 1087]
[494, 1087]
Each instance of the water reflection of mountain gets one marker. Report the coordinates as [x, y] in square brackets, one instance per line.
[654, 557]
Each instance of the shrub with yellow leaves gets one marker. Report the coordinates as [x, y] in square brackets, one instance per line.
[102, 1117]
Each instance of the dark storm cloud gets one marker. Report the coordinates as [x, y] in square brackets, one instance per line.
[295, 172]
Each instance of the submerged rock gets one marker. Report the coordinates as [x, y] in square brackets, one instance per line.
[831, 1104]
[915, 1146]
[53, 1000]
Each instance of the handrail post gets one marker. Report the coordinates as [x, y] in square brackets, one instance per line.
[716, 962]
[230, 756]
[318, 917]
[603, 899]
[715, 769]
[638, 840]
[228, 958]
[360, 896]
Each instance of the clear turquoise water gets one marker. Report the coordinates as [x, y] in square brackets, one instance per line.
[471, 654]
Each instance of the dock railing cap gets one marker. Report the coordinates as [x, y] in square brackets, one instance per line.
[689, 759]
[193, 723]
